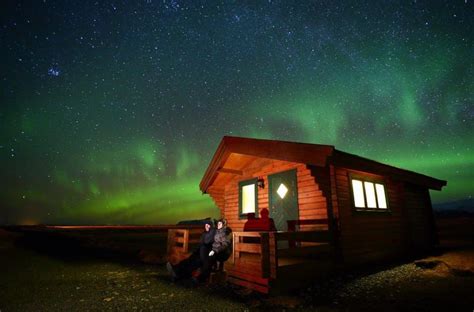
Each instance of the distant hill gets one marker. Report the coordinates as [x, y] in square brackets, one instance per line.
[196, 222]
[457, 208]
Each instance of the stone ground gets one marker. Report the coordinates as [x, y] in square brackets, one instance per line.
[34, 278]
[41, 280]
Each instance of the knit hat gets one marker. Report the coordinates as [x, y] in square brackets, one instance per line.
[209, 221]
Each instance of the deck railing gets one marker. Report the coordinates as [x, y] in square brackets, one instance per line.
[258, 255]
[181, 242]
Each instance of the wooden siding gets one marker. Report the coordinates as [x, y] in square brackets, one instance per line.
[217, 195]
[368, 236]
[311, 201]
[419, 223]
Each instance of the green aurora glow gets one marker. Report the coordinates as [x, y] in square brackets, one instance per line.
[144, 93]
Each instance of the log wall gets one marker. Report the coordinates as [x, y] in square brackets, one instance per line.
[311, 201]
[368, 236]
[420, 234]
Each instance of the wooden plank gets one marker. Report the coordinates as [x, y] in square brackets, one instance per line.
[293, 223]
[311, 197]
[253, 286]
[312, 205]
[230, 171]
[246, 234]
[308, 189]
[247, 265]
[265, 252]
[309, 182]
[309, 236]
[305, 178]
[319, 250]
[250, 248]
[249, 277]
[316, 209]
[273, 254]
[313, 213]
[189, 241]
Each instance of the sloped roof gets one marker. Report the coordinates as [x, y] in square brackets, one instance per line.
[310, 154]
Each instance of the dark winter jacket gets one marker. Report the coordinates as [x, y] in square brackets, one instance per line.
[207, 238]
[205, 243]
[222, 241]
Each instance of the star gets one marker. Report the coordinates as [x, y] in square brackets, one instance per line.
[52, 71]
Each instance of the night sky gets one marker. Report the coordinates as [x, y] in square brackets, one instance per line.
[111, 110]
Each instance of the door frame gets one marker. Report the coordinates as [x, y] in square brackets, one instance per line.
[270, 195]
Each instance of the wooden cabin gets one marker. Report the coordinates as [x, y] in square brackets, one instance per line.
[331, 209]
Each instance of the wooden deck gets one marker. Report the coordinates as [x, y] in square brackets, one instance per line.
[266, 261]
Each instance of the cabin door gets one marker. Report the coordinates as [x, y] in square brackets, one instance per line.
[283, 198]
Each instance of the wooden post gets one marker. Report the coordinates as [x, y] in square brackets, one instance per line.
[265, 254]
[234, 237]
[233, 247]
[292, 228]
[273, 254]
[185, 241]
[170, 244]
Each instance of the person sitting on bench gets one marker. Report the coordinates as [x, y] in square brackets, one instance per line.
[221, 250]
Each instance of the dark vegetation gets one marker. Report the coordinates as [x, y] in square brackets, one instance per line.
[100, 269]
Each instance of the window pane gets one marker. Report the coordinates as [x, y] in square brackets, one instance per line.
[370, 194]
[381, 195]
[248, 198]
[358, 193]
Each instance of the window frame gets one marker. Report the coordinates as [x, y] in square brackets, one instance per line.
[374, 180]
[241, 185]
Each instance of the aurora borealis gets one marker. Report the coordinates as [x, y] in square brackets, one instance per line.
[111, 110]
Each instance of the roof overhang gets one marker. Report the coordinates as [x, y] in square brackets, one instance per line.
[313, 154]
[309, 154]
[355, 162]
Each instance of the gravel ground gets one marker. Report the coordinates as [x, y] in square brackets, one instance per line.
[35, 279]
[403, 287]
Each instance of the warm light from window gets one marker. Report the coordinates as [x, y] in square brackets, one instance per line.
[370, 194]
[358, 193]
[248, 198]
[381, 195]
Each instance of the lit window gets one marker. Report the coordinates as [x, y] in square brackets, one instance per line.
[368, 195]
[358, 193]
[382, 202]
[248, 197]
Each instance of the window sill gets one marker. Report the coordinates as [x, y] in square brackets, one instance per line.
[371, 211]
[245, 216]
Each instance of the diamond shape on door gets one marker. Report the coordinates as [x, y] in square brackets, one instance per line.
[282, 190]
